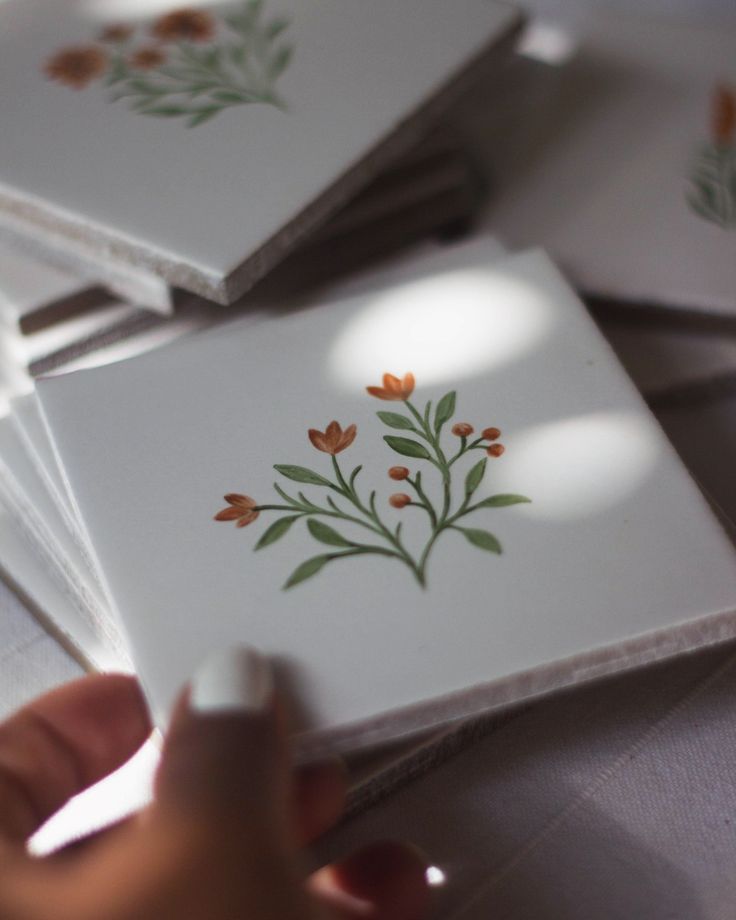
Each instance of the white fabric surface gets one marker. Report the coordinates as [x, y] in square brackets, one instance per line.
[31, 661]
[613, 803]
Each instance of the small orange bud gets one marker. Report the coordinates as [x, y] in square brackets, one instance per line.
[462, 429]
[491, 434]
[399, 472]
[399, 500]
[495, 450]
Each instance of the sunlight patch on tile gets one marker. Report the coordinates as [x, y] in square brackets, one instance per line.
[577, 467]
[134, 9]
[444, 328]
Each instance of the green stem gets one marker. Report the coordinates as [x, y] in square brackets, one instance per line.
[377, 550]
[441, 462]
[416, 484]
[351, 495]
[474, 445]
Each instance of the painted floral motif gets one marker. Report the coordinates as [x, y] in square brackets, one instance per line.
[77, 67]
[184, 25]
[421, 441]
[394, 389]
[241, 508]
[116, 33]
[712, 192]
[333, 440]
[187, 64]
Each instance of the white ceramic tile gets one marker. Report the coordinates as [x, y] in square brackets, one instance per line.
[25, 497]
[607, 192]
[194, 203]
[26, 418]
[58, 248]
[24, 570]
[76, 330]
[596, 574]
[26, 285]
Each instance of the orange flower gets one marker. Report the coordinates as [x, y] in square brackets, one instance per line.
[399, 500]
[399, 472]
[724, 115]
[333, 439]
[76, 67]
[116, 33]
[495, 450]
[184, 25]
[393, 389]
[462, 429]
[491, 434]
[241, 508]
[147, 58]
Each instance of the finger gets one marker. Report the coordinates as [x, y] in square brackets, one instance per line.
[63, 742]
[225, 754]
[383, 881]
[319, 798]
[224, 789]
[81, 846]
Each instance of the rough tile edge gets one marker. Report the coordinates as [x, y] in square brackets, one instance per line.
[407, 133]
[524, 686]
[119, 249]
[64, 639]
[64, 252]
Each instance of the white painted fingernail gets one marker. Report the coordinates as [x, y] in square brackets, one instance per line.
[236, 679]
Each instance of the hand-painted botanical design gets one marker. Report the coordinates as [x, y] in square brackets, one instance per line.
[423, 440]
[712, 192]
[187, 64]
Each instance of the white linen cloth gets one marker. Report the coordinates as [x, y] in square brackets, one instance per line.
[616, 802]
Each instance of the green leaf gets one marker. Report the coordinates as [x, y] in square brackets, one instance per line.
[228, 96]
[406, 447]
[301, 474]
[445, 410]
[475, 477]
[164, 111]
[481, 538]
[118, 71]
[276, 531]
[353, 475]
[144, 86]
[275, 27]
[503, 501]
[306, 570]
[201, 117]
[325, 534]
[394, 420]
[279, 62]
[237, 54]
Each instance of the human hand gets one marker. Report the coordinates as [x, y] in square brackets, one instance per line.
[220, 840]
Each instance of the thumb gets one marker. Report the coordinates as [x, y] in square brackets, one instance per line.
[225, 758]
[222, 797]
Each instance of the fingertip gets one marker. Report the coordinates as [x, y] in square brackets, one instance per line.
[224, 750]
[320, 794]
[389, 875]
